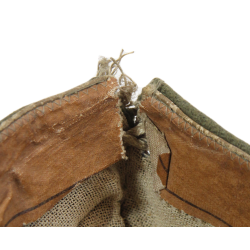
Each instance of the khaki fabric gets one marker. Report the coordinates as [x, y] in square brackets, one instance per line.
[91, 156]
[95, 202]
[143, 205]
[42, 159]
[125, 194]
[205, 176]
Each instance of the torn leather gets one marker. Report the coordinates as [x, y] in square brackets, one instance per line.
[204, 175]
[43, 152]
[178, 159]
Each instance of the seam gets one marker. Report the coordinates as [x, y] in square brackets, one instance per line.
[167, 170]
[184, 200]
[32, 113]
[164, 167]
[201, 137]
[225, 150]
[44, 202]
[193, 205]
[53, 197]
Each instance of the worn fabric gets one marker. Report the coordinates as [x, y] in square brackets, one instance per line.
[198, 116]
[46, 147]
[205, 176]
[94, 202]
[122, 195]
[92, 157]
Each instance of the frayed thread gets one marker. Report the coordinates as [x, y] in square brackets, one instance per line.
[135, 136]
[110, 67]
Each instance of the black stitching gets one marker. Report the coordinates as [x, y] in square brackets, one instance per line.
[44, 202]
[163, 164]
[191, 204]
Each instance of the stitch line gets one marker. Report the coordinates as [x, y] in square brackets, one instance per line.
[193, 205]
[66, 99]
[104, 85]
[12, 128]
[33, 115]
[26, 118]
[86, 91]
[51, 108]
[44, 202]
[207, 141]
[216, 148]
[38, 109]
[5, 133]
[167, 170]
[179, 121]
[232, 156]
[94, 87]
[163, 164]
[41, 108]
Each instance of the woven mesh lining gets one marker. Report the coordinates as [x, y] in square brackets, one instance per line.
[105, 214]
[157, 146]
[173, 217]
[95, 202]
[142, 205]
[126, 193]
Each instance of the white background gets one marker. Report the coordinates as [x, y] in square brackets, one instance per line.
[200, 48]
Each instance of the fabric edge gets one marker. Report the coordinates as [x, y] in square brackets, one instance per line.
[5, 122]
[192, 112]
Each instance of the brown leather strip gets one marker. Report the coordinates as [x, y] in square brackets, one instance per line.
[163, 167]
[12, 119]
[204, 179]
[53, 149]
[33, 213]
[191, 209]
